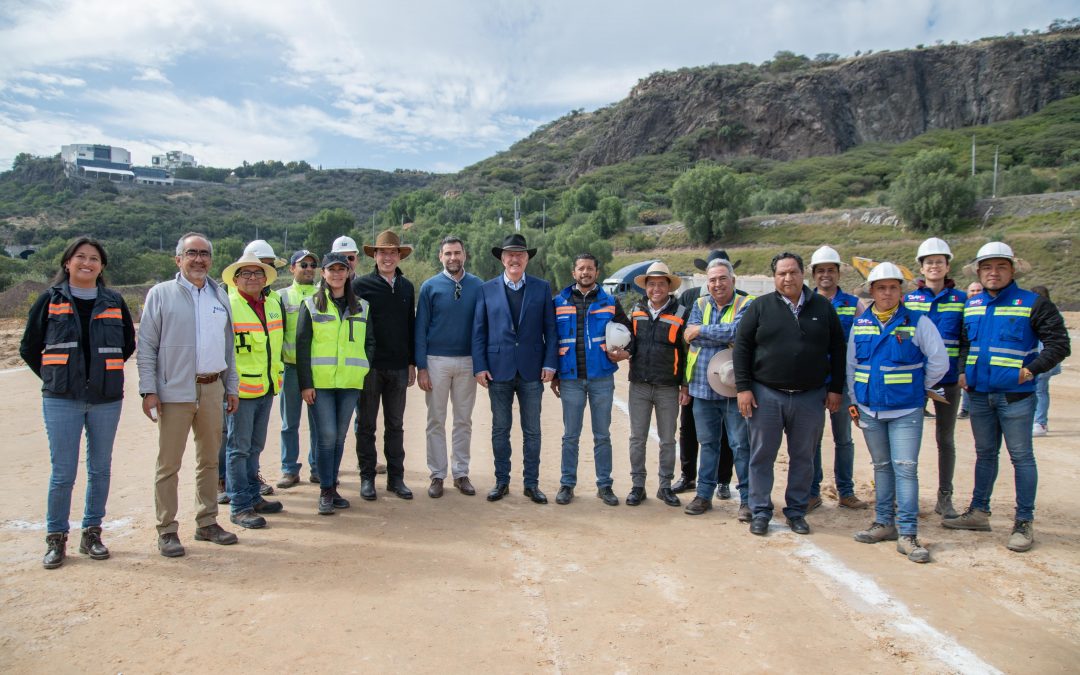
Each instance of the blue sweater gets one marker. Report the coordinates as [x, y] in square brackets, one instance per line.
[444, 324]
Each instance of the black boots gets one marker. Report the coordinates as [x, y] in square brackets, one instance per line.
[54, 556]
[91, 545]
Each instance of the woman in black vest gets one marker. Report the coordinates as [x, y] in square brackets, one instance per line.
[77, 339]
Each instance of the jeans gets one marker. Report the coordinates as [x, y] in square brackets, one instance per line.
[799, 416]
[529, 395]
[844, 455]
[688, 448]
[894, 450]
[644, 399]
[451, 381]
[1042, 398]
[600, 392]
[385, 387]
[247, 437]
[290, 404]
[712, 419]
[65, 420]
[333, 411]
[993, 417]
[945, 435]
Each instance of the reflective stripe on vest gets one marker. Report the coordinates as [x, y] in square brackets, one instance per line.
[258, 349]
[1001, 340]
[728, 316]
[338, 358]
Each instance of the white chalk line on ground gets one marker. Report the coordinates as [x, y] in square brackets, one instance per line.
[942, 646]
[14, 370]
[529, 574]
[125, 523]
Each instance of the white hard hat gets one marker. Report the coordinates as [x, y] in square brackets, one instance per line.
[343, 244]
[933, 246]
[825, 254]
[995, 249]
[885, 270]
[617, 335]
[260, 248]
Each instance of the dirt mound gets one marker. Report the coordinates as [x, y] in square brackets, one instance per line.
[16, 301]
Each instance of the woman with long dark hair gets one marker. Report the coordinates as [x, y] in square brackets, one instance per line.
[333, 347]
[77, 338]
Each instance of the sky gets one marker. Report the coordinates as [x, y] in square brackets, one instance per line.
[411, 84]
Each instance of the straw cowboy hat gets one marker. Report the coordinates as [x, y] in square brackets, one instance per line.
[387, 239]
[721, 373]
[513, 242]
[248, 260]
[658, 269]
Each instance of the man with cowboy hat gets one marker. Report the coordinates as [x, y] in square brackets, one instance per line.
[688, 440]
[657, 378]
[393, 366]
[258, 323]
[1003, 327]
[710, 332]
[513, 352]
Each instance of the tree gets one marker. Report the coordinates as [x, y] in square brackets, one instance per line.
[608, 218]
[928, 194]
[709, 199]
[566, 243]
[326, 226]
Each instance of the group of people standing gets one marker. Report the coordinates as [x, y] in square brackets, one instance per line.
[740, 372]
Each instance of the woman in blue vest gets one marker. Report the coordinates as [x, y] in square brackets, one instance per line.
[77, 339]
[333, 349]
[894, 356]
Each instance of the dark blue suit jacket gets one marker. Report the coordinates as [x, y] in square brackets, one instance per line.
[501, 351]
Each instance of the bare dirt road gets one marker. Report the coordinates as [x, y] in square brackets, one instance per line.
[460, 584]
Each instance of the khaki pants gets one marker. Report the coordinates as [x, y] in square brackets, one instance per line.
[174, 423]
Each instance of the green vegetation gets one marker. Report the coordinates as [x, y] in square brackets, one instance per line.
[710, 199]
[928, 194]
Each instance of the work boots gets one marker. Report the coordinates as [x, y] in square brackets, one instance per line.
[972, 519]
[54, 556]
[944, 506]
[1022, 537]
[91, 545]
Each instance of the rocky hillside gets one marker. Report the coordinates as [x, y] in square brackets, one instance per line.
[807, 108]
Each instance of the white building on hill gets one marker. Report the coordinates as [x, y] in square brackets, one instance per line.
[84, 160]
[172, 160]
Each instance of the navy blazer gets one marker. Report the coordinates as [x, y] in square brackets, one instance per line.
[501, 351]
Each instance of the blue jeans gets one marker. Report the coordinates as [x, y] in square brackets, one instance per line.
[894, 450]
[247, 437]
[1042, 398]
[290, 404]
[65, 420]
[844, 457]
[710, 417]
[333, 411]
[501, 395]
[600, 392]
[993, 417]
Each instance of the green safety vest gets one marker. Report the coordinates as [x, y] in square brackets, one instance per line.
[258, 349]
[706, 313]
[338, 359]
[291, 299]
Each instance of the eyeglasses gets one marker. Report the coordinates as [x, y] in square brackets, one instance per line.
[307, 265]
[350, 258]
[251, 274]
[192, 254]
[457, 291]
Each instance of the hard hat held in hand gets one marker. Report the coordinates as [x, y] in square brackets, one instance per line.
[617, 335]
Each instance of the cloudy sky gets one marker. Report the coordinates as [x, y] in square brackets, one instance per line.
[421, 84]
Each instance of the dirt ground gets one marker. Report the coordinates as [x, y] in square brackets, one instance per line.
[460, 584]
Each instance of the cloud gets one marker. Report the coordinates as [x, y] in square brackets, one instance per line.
[151, 75]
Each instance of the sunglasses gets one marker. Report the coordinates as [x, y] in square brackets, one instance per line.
[307, 265]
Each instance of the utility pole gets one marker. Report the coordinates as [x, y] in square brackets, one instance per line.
[517, 215]
[993, 191]
[972, 155]
[286, 244]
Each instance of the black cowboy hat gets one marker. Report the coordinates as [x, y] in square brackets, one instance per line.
[715, 254]
[512, 242]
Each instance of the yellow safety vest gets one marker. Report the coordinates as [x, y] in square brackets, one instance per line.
[291, 299]
[338, 357]
[258, 349]
[727, 317]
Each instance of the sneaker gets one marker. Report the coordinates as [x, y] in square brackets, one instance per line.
[972, 519]
[745, 514]
[288, 480]
[813, 503]
[222, 493]
[944, 506]
[264, 487]
[1038, 429]
[723, 491]
[909, 545]
[1022, 537]
[875, 533]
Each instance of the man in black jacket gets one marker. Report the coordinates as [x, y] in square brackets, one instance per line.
[393, 365]
[789, 361]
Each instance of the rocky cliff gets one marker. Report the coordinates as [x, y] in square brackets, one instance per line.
[722, 112]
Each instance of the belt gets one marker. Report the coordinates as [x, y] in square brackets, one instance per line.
[206, 379]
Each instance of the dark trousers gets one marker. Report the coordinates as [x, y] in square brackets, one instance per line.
[386, 387]
[688, 448]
